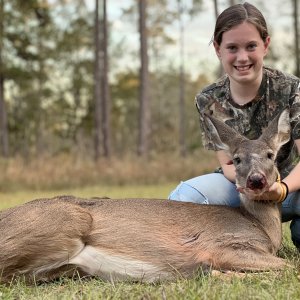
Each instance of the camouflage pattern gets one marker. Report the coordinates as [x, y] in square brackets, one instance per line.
[278, 90]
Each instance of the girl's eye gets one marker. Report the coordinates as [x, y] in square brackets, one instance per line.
[252, 47]
[232, 48]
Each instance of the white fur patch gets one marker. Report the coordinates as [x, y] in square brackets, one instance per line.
[113, 267]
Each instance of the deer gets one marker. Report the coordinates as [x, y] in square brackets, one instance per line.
[153, 240]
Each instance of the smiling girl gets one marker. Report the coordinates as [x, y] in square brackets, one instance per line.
[247, 98]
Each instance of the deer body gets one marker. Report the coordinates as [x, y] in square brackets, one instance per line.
[140, 239]
[145, 239]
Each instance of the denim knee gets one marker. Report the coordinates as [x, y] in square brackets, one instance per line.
[186, 193]
[211, 188]
[295, 232]
[291, 211]
[291, 207]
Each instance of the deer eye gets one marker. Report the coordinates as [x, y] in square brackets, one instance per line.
[270, 155]
[236, 160]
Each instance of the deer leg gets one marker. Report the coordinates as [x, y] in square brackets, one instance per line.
[254, 262]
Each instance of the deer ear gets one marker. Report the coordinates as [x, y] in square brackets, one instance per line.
[278, 131]
[223, 136]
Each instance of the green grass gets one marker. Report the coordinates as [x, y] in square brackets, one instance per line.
[283, 285]
[8, 199]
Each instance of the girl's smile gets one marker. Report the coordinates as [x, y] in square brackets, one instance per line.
[243, 68]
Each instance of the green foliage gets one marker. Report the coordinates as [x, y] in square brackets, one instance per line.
[27, 59]
[48, 66]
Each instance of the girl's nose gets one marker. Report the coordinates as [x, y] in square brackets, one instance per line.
[242, 55]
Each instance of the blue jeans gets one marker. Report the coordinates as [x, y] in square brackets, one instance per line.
[214, 188]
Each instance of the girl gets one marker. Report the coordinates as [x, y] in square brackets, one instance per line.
[247, 97]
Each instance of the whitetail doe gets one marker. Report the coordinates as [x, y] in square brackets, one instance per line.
[151, 240]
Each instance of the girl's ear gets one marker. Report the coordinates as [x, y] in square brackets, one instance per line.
[267, 44]
[217, 49]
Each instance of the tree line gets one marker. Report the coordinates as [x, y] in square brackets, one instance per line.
[57, 93]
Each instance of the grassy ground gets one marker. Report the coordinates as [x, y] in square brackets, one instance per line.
[8, 199]
[283, 285]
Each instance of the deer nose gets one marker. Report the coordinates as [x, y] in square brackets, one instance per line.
[256, 181]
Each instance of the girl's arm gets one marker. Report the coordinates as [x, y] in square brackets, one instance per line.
[226, 164]
[293, 179]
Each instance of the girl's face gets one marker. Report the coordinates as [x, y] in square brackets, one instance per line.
[241, 52]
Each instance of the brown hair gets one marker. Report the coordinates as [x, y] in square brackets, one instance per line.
[237, 14]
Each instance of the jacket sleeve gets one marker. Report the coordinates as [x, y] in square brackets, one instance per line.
[204, 105]
[295, 111]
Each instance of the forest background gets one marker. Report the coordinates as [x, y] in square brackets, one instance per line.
[103, 91]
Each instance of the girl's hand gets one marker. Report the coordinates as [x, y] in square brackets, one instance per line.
[273, 194]
[276, 193]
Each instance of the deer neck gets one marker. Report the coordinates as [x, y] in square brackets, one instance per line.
[267, 215]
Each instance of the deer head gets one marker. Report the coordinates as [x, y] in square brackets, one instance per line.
[254, 160]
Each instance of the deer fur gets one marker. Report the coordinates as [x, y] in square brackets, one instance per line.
[151, 239]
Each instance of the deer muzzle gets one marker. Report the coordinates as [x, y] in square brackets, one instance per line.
[256, 181]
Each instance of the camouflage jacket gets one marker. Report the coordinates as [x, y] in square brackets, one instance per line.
[277, 91]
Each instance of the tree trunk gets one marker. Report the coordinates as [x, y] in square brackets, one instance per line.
[296, 31]
[144, 105]
[39, 128]
[220, 71]
[182, 143]
[97, 84]
[3, 115]
[106, 130]
[216, 8]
